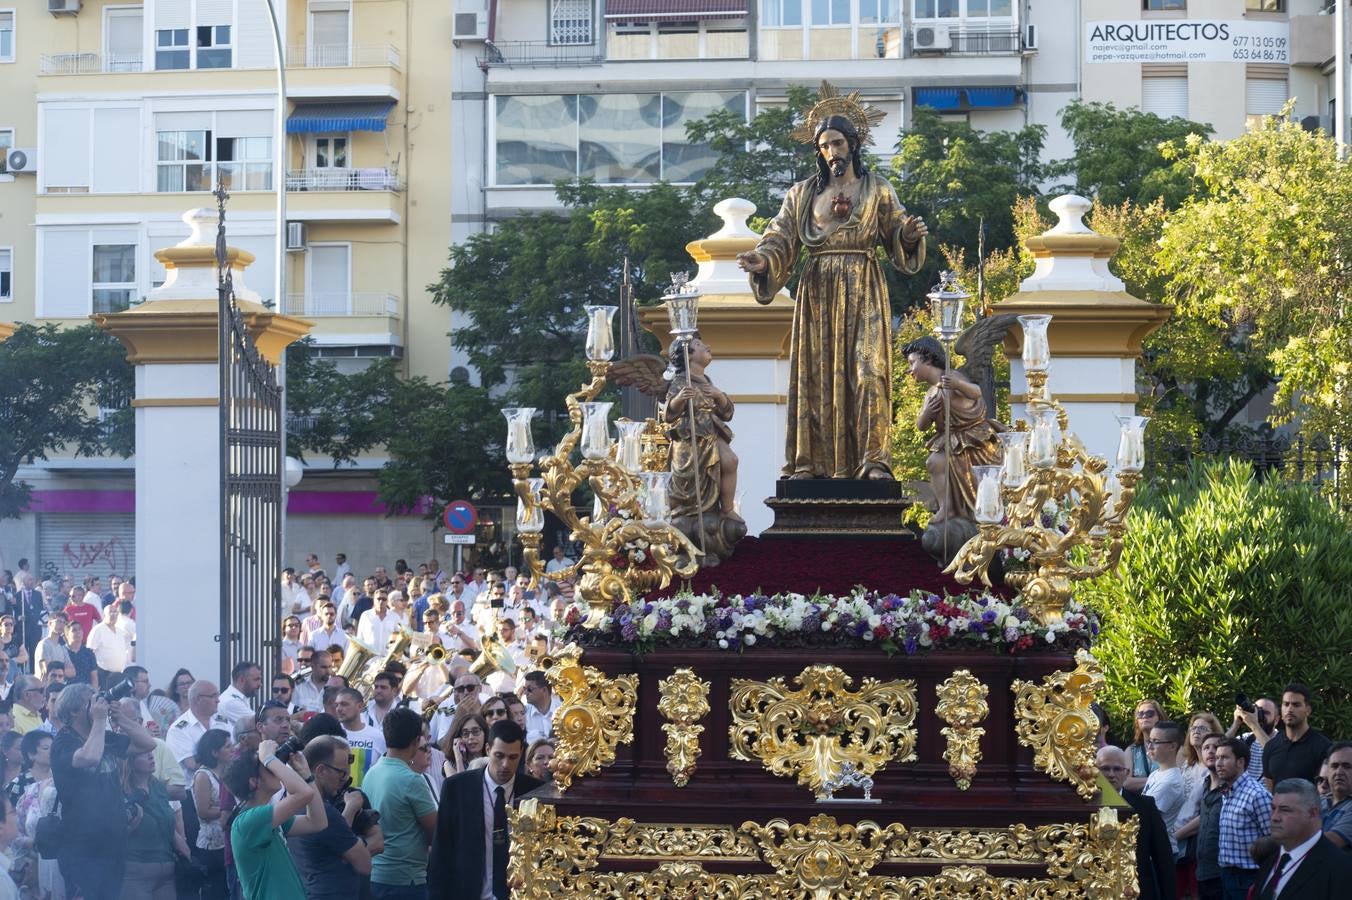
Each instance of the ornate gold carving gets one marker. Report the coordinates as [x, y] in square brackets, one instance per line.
[595, 714]
[561, 856]
[962, 704]
[809, 732]
[822, 856]
[1054, 719]
[684, 700]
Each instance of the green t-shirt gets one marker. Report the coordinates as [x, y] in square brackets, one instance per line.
[401, 797]
[262, 862]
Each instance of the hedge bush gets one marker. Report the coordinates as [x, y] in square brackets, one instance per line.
[1228, 584]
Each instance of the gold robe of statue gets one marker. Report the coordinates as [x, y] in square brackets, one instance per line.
[970, 441]
[840, 364]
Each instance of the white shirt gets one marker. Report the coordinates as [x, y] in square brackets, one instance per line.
[309, 695]
[503, 680]
[457, 642]
[234, 705]
[555, 564]
[295, 598]
[322, 640]
[341, 571]
[541, 724]
[490, 799]
[376, 632]
[112, 649]
[1168, 789]
[1297, 857]
[367, 745]
[187, 731]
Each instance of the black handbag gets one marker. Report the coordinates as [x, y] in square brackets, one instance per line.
[50, 834]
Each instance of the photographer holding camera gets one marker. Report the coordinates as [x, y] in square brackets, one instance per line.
[85, 763]
[1260, 717]
[335, 863]
[259, 825]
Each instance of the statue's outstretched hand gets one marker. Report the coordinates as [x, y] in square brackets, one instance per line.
[752, 262]
[913, 229]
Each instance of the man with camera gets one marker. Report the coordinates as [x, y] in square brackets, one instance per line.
[1260, 717]
[335, 863]
[86, 758]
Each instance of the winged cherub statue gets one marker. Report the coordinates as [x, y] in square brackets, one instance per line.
[960, 407]
[703, 464]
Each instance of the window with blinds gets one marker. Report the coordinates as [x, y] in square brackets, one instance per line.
[1263, 97]
[330, 35]
[1165, 95]
[570, 22]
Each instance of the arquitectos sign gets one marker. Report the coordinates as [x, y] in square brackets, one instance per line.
[1185, 41]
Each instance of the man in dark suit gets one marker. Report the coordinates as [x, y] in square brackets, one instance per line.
[1306, 865]
[1154, 857]
[472, 841]
[30, 614]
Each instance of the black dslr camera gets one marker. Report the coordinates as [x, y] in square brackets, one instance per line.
[367, 817]
[287, 747]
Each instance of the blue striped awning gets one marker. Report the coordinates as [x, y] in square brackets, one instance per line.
[937, 98]
[966, 98]
[356, 115]
[991, 97]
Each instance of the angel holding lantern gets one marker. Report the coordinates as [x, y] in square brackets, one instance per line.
[703, 464]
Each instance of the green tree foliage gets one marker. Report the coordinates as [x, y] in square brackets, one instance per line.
[52, 383]
[1228, 584]
[1265, 246]
[957, 178]
[1119, 155]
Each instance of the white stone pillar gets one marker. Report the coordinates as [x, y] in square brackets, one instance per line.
[1096, 329]
[750, 344]
[172, 341]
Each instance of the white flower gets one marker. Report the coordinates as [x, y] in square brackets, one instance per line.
[639, 556]
[722, 645]
[826, 626]
[749, 638]
[1051, 637]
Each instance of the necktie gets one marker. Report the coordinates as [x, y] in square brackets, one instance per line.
[1271, 889]
[500, 844]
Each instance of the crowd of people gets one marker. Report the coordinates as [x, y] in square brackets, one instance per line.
[391, 776]
[327, 782]
[1257, 809]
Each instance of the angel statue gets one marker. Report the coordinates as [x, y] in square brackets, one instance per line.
[960, 407]
[703, 464]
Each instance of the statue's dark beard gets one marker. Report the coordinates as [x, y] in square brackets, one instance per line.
[837, 167]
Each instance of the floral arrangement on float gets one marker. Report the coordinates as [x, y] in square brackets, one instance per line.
[919, 621]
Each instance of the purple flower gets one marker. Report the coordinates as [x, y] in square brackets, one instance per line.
[860, 628]
[647, 608]
[988, 616]
[683, 604]
[976, 627]
[913, 629]
[910, 646]
[629, 631]
[812, 622]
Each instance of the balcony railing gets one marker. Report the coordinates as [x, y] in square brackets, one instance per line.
[962, 42]
[341, 56]
[343, 180]
[336, 304]
[524, 54]
[87, 63]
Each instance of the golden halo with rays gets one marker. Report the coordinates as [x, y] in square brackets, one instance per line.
[832, 102]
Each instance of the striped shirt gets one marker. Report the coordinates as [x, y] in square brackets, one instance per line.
[1246, 815]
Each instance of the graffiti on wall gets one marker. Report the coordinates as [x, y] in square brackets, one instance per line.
[108, 555]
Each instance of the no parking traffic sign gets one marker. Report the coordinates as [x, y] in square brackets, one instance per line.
[460, 518]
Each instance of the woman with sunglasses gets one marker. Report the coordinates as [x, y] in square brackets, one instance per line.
[178, 689]
[1148, 714]
[464, 743]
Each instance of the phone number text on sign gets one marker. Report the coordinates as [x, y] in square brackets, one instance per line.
[1175, 41]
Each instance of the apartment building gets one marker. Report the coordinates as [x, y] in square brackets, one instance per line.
[130, 113]
[1223, 62]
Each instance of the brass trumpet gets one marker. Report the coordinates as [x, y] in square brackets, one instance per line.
[354, 662]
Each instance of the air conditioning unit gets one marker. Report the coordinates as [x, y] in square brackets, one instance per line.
[1030, 38]
[21, 160]
[63, 7]
[932, 37]
[470, 26]
[295, 237]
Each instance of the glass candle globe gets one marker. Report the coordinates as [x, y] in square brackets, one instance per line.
[1015, 470]
[595, 430]
[1037, 352]
[989, 508]
[520, 447]
[531, 520]
[656, 497]
[600, 340]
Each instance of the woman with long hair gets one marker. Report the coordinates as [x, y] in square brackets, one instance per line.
[155, 834]
[538, 757]
[1148, 714]
[464, 741]
[12, 756]
[23, 792]
[494, 709]
[178, 689]
[1195, 778]
[215, 752]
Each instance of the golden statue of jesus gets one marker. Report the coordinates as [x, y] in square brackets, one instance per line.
[840, 364]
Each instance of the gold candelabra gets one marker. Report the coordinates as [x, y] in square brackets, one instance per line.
[629, 545]
[1045, 464]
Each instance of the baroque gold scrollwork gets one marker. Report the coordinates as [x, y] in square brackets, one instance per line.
[1054, 719]
[595, 715]
[808, 733]
[683, 701]
[563, 856]
[962, 704]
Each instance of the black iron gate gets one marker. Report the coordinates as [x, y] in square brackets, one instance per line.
[251, 484]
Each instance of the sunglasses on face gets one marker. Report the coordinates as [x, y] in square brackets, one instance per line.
[466, 688]
[282, 689]
[1146, 714]
[495, 714]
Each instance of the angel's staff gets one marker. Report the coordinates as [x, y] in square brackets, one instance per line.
[947, 302]
[682, 302]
